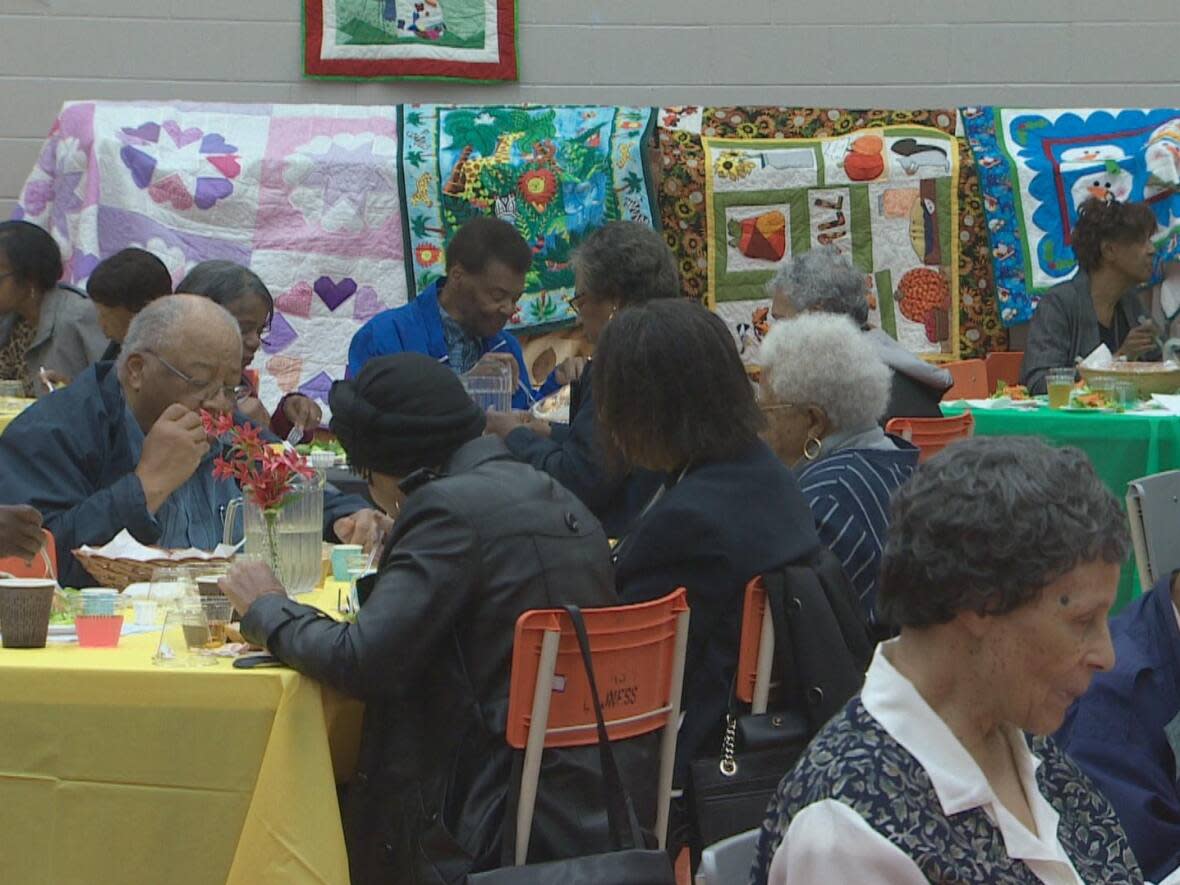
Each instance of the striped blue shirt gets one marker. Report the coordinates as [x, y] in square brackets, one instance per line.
[849, 495]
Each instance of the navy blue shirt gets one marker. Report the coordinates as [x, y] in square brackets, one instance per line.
[1118, 732]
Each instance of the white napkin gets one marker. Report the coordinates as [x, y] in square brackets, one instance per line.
[1099, 358]
[1001, 402]
[124, 546]
[1169, 401]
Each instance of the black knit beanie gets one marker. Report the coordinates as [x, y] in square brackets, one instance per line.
[401, 413]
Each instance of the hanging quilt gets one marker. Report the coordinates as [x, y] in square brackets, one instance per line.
[305, 196]
[682, 192]
[469, 40]
[1038, 166]
[556, 173]
[886, 197]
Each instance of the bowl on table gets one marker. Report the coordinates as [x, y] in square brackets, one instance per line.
[119, 573]
[1147, 378]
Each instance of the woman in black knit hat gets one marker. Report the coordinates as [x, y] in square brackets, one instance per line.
[478, 541]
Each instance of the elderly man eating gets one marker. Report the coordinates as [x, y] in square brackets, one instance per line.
[122, 447]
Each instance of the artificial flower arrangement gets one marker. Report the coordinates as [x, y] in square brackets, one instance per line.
[266, 473]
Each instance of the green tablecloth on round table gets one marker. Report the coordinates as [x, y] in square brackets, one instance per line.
[1123, 447]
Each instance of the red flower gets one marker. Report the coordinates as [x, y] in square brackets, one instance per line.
[266, 473]
[427, 254]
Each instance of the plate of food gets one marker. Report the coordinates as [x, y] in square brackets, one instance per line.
[555, 407]
[328, 446]
[1083, 399]
[1012, 396]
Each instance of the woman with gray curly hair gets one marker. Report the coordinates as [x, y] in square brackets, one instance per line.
[1000, 568]
[823, 280]
[823, 390]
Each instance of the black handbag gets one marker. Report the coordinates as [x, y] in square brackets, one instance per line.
[822, 649]
[629, 863]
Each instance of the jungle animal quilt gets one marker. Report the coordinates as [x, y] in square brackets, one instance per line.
[410, 39]
[886, 197]
[304, 195]
[1037, 167]
[556, 173]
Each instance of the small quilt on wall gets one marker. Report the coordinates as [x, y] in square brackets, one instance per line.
[885, 197]
[305, 196]
[410, 39]
[556, 173]
[1037, 167]
[682, 195]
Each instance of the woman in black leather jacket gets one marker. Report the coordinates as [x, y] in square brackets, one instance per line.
[480, 539]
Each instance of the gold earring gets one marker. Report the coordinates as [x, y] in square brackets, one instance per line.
[809, 453]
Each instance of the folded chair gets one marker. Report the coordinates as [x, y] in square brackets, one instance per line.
[932, 435]
[1153, 508]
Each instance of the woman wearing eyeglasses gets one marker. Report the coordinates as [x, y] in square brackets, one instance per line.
[617, 266]
[241, 292]
[42, 324]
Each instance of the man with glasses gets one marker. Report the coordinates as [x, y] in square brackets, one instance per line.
[123, 446]
[459, 320]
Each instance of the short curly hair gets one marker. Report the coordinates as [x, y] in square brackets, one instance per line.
[1101, 222]
[826, 360]
[32, 254]
[822, 279]
[987, 524]
[626, 262]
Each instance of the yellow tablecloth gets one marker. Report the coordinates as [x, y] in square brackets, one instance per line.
[10, 407]
[113, 770]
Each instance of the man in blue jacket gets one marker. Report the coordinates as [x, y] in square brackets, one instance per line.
[460, 319]
[1124, 732]
[123, 447]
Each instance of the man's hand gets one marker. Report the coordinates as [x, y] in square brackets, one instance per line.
[503, 423]
[365, 527]
[252, 408]
[246, 581]
[302, 411]
[172, 452]
[1139, 341]
[570, 370]
[490, 360]
[20, 532]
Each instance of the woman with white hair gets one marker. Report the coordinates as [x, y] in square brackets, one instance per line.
[824, 389]
[823, 280]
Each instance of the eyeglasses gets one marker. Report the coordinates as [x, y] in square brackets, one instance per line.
[575, 302]
[207, 389]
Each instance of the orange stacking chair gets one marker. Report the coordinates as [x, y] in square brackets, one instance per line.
[932, 435]
[44, 564]
[1003, 366]
[970, 380]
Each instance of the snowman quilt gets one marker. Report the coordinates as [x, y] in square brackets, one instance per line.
[1037, 166]
[410, 39]
[886, 197]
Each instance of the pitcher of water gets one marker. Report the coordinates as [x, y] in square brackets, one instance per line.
[289, 538]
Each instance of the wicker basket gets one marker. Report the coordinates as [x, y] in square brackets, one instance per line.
[121, 573]
[24, 615]
[1148, 378]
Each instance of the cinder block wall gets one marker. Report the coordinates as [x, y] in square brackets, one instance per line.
[893, 53]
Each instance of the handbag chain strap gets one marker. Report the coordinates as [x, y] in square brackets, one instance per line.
[728, 764]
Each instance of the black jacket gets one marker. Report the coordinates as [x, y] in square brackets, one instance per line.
[712, 531]
[573, 457]
[430, 654]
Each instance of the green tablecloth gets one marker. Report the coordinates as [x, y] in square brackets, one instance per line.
[1123, 447]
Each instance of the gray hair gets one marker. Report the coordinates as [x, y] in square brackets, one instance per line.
[826, 360]
[986, 524]
[822, 279]
[626, 262]
[159, 326]
[224, 282]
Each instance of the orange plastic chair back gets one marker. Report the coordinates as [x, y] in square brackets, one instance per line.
[633, 650]
[44, 564]
[970, 380]
[932, 435]
[753, 613]
[1003, 365]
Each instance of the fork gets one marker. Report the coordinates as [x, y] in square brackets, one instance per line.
[295, 436]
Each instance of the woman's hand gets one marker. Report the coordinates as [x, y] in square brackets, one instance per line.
[1139, 341]
[302, 411]
[246, 581]
[570, 370]
[365, 527]
[503, 423]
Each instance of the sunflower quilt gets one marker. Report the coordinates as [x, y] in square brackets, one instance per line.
[556, 173]
[1037, 166]
[886, 197]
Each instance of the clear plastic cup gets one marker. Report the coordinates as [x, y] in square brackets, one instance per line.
[1059, 384]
